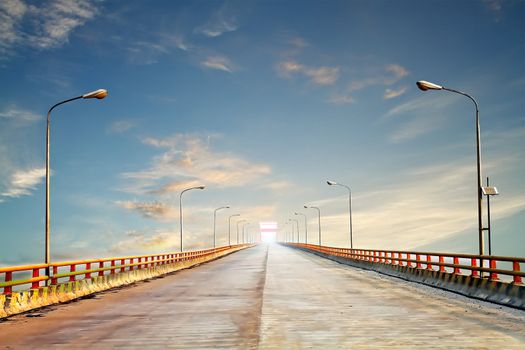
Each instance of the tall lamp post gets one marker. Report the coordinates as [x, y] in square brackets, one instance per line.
[239, 222]
[215, 224]
[333, 183]
[424, 86]
[319, 212]
[244, 239]
[98, 94]
[230, 228]
[180, 209]
[305, 227]
[297, 224]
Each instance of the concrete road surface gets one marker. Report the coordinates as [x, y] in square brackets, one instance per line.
[269, 297]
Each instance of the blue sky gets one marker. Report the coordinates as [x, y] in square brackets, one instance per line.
[262, 102]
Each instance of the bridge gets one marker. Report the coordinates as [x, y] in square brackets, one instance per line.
[265, 296]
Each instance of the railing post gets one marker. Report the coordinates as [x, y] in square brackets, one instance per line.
[35, 285]
[122, 263]
[8, 278]
[88, 267]
[441, 261]
[112, 271]
[131, 268]
[429, 262]
[140, 265]
[418, 259]
[399, 261]
[474, 265]
[456, 262]
[101, 266]
[516, 268]
[54, 280]
[409, 263]
[493, 275]
[72, 268]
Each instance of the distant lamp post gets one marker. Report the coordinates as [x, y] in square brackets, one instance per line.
[98, 94]
[243, 232]
[319, 212]
[180, 209]
[230, 228]
[305, 227]
[333, 183]
[215, 224]
[239, 222]
[297, 225]
[424, 86]
[489, 191]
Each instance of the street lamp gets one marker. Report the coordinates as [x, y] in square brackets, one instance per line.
[333, 183]
[180, 208]
[230, 228]
[424, 86]
[215, 224]
[98, 94]
[305, 227]
[319, 212]
[297, 223]
[238, 222]
[243, 232]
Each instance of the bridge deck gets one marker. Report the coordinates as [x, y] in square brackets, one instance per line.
[270, 298]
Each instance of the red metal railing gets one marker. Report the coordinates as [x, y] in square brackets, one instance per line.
[494, 267]
[69, 270]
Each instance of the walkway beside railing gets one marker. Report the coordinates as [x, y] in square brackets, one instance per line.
[494, 278]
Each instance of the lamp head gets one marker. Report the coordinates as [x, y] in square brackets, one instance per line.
[227, 207]
[305, 207]
[100, 94]
[425, 85]
[331, 183]
[296, 213]
[201, 187]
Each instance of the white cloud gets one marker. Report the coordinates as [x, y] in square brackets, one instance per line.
[323, 75]
[218, 25]
[398, 71]
[318, 75]
[393, 93]
[414, 128]
[149, 210]
[387, 76]
[218, 63]
[19, 116]
[430, 203]
[22, 182]
[47, 24]
[189, 159]
[121, 126]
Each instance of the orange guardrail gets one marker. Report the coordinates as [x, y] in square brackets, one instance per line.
[442, 262]
[69, 270]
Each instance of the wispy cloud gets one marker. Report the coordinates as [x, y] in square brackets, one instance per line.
[121, 126]
[318, 75]
[22, 182]
[393, 93]
[189, 159]
[219, 24]
[388, 76]
[428, 204]
[218, 63]
[19, 116]
[139, 241]
[46, 24]
[149, 210]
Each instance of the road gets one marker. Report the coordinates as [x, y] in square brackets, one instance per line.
[269, 297]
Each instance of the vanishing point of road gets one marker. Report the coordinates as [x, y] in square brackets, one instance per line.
[269, 297]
